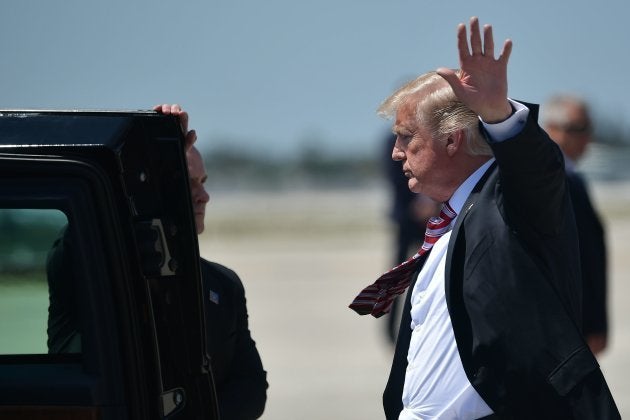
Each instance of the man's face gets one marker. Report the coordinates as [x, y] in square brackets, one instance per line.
[574, 135]
[424, 160]
[198, 176]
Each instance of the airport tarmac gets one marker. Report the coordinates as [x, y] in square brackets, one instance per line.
[303, 256]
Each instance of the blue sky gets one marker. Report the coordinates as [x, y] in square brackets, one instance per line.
[270, 77]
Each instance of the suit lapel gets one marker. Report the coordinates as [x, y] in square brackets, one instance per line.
[458, 237]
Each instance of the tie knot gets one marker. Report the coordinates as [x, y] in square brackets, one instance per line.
[436, 227]
[447, 214]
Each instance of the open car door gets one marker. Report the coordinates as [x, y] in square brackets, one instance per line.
[100, 293]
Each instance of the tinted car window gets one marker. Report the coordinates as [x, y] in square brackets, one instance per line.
[27, 237]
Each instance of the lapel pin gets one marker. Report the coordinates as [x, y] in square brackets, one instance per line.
[214, 297]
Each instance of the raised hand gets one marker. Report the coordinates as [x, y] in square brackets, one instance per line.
[481, 83]
[182, 117]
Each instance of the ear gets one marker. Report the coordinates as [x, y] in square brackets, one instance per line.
[455, 142]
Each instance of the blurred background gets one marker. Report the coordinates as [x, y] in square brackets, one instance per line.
[283, 97]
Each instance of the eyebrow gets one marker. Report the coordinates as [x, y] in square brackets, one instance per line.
[400, 129]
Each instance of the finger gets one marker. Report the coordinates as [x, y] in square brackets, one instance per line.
[190, 139]
[183, 120]
[165, 109]
[507, 50]
[475, 36]
[175, 109]
[157, 108]
[488, 41]
[462, 42]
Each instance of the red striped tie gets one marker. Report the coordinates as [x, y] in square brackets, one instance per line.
[377, 298]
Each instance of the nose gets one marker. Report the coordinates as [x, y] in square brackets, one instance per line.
[203, 196]
[199, 193]
[397, 153]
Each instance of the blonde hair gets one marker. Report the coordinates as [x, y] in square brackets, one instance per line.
[439, 110]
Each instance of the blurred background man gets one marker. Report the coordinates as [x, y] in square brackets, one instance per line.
[568, 122]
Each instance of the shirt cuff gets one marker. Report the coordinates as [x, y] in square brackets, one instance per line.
[509, 128]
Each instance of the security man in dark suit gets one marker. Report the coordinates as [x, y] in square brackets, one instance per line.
[567, 120]
[491, 325]
[240, 380]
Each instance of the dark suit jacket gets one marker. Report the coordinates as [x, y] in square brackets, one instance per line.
[513, 292]
[236, 366]
[592, 257]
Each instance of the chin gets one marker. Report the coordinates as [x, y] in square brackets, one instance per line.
[414, 186]
[200, 226]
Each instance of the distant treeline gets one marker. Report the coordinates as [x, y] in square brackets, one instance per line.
[311, 168]
[319, 168]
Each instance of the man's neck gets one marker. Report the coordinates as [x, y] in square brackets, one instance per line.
[467, 167]
[461, 194]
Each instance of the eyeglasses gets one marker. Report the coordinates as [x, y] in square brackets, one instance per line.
[576, 128]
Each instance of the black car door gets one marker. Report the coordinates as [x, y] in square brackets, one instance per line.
[100, 307]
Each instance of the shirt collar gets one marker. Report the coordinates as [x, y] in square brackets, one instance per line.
[461, 194]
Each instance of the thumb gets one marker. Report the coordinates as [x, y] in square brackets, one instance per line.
[450, 76]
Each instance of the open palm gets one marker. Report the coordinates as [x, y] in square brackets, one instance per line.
[481, 82]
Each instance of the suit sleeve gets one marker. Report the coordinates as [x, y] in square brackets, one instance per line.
[532, 179]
